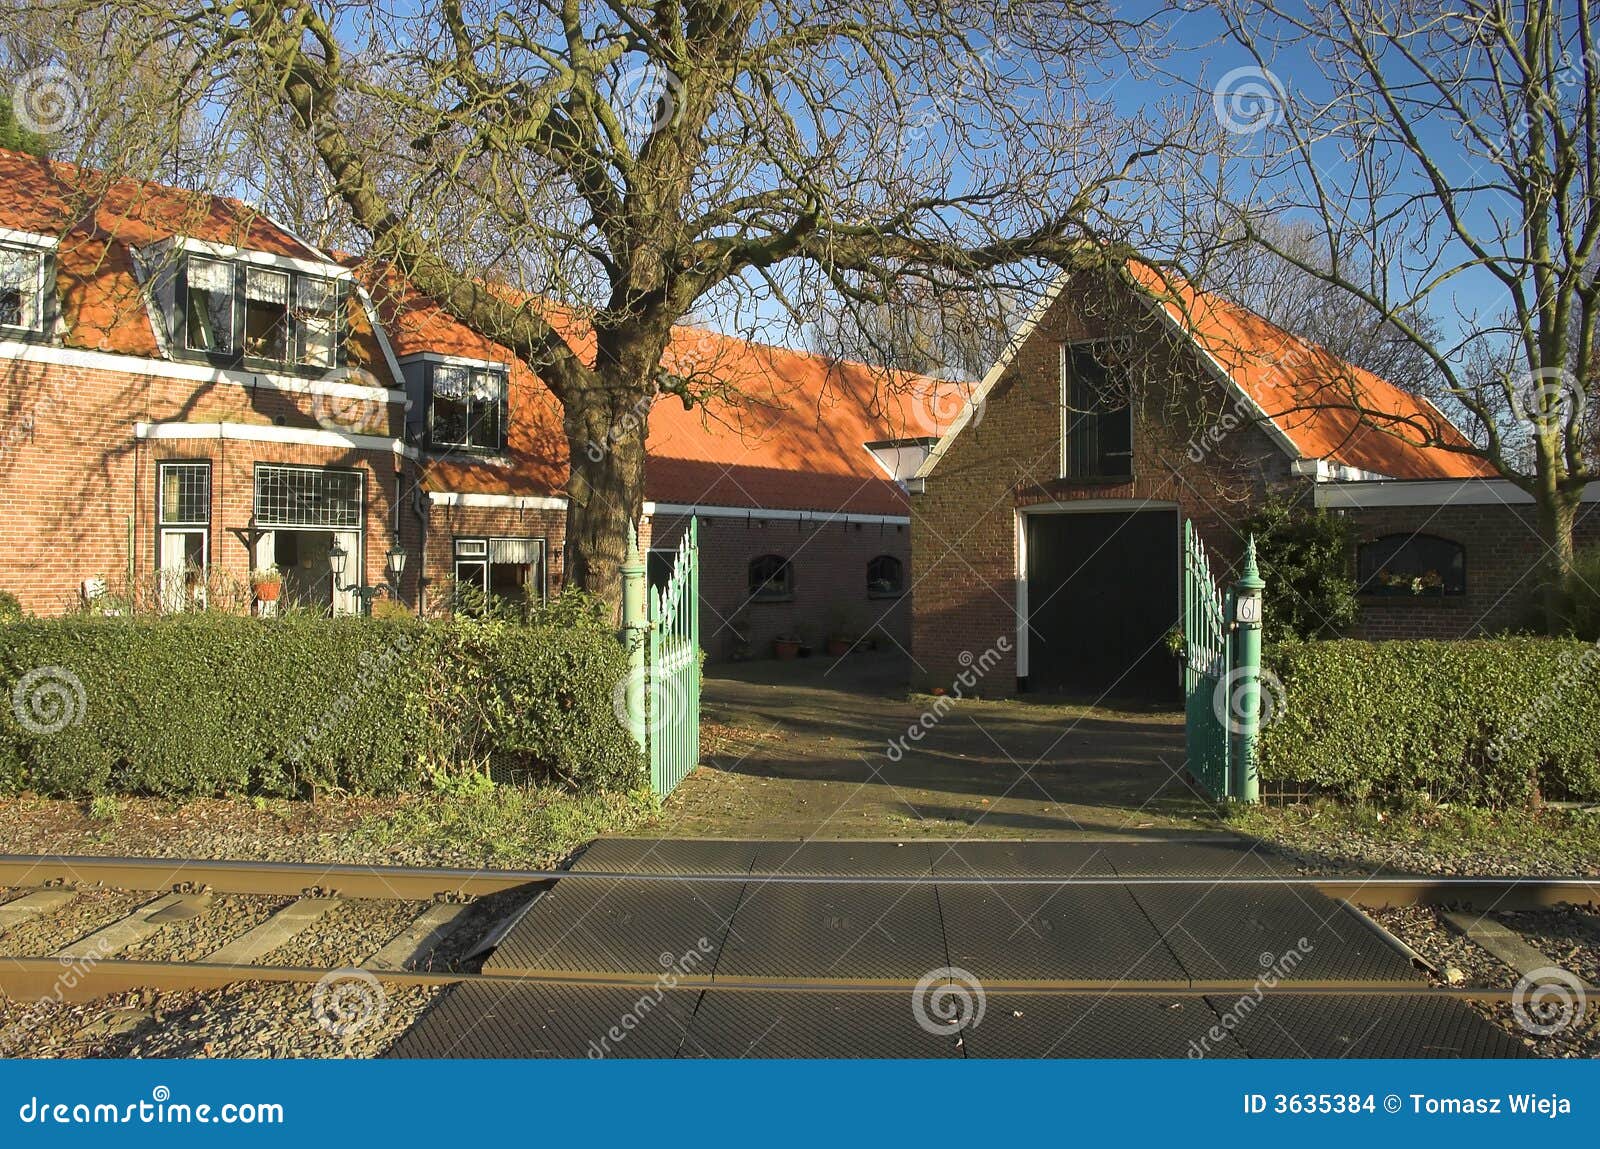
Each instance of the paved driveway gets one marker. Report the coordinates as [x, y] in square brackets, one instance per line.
[824, 748]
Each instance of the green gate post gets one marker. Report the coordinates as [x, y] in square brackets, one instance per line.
[635, 625]
[1247, 614]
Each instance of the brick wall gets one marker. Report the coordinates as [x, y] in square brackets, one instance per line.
[1503, 556]
[78, 489]
[829, 561]
[964, 524]
[447, 523]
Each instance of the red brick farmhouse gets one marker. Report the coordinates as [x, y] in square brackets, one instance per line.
[191, 394]
[1050, 511]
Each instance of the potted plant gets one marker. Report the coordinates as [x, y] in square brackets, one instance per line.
[843, 633]
[267, 582]
[786, 646]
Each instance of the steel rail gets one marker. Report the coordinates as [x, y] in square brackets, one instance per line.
[48, 978]
[425, 883]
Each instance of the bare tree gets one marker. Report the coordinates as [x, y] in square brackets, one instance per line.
[1441, 152]
[625, 164]
[953, 332]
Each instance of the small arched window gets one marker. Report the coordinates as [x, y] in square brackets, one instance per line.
[886, 577]
[771, 577]
[1411, 565]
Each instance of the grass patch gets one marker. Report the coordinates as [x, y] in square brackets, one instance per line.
[1430, 839]
[505, 824]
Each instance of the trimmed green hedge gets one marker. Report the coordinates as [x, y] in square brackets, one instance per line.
[216, 704]
[1492, 722]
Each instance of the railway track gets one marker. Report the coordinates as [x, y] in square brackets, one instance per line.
[441, 938]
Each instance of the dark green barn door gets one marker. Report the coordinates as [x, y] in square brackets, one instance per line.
[1102, 597]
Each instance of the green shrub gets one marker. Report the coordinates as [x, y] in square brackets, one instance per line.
[209, 704]
[1304, 556]
[1580, 599]
[10, 607]
[1491, 722]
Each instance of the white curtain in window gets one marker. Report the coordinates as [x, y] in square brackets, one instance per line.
[313, 293]
[522, 552]
[487, 385]
[267, 286]
[209, 275]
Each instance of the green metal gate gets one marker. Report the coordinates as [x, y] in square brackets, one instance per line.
[1207, 667]
[672, 680]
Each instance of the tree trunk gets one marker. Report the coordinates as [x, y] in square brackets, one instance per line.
[605, 428]
[1558, 512]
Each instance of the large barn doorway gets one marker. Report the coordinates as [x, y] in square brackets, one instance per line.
[1101, 597]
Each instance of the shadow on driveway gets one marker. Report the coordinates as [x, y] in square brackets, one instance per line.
[824, 748]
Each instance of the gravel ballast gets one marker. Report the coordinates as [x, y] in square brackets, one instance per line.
[1424, 929]
[49, 933]
[228, 916]
[247, 1020]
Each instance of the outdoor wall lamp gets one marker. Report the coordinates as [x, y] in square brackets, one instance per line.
[339, 561]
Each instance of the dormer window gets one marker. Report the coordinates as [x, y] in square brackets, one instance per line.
[209, 315]
[253, 311]
[27, 272]
[462, 403]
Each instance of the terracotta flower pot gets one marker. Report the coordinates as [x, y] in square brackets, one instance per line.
[268, 591]
[839, 647]
[785, 649]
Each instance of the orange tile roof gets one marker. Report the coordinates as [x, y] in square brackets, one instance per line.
[99, 221]
[1326, 406]
[787, 429]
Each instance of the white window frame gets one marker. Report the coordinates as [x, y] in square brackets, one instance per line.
[41, 256]
[171, 596]
[477, 550]
[503, 405]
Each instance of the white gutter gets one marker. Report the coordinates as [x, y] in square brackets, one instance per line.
[657, 510]
[193, 372]
[1429, 493]
[506, 502]
[263, 433]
